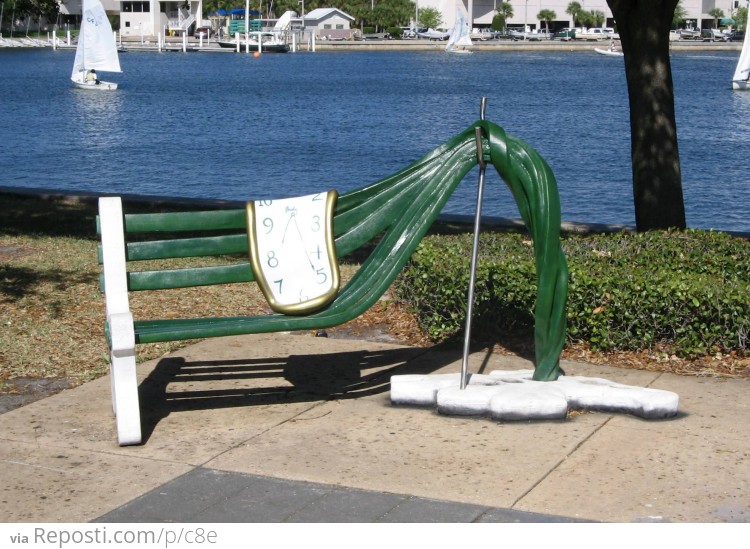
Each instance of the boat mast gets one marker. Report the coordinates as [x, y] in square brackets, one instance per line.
[80, 36]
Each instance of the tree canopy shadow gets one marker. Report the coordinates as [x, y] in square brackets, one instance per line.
[21, 282]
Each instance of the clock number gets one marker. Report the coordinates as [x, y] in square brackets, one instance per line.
[268, 224]
[317, 197]
[279, 282]
[316, 253]
[315, 223]
[264, 202]
[322, 276]
[273, 262]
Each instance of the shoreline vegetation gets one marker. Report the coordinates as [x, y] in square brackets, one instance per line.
[52, 333]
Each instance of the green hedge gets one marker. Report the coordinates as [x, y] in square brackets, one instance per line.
[687, 290]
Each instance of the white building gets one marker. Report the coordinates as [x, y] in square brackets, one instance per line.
[146, 17]
[525, 12]
[328, 23]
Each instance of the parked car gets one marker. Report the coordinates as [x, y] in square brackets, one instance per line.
[689, 34]
[483, 34]
[376, 36]
[202, 32]
[565, 34]
[713, 35]
[595, 34]
[408, 33]
[737, 36]
[505, 35]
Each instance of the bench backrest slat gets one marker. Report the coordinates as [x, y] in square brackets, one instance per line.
[186, 278]
[187, 247]
[215, 220]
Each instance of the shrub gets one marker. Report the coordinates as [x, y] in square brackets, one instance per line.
[395, 32]
[687, 290]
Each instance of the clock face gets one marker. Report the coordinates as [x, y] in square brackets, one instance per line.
[292, 251]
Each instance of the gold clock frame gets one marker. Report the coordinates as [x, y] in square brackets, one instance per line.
[310, 305]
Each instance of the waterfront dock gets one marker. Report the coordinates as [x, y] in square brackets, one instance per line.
[176, 44]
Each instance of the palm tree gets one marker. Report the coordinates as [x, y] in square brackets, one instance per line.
[574, 9]
[585, 18]
[680, 13]
[546, 16]
[717, 14]
[598, 17]
[505, 10]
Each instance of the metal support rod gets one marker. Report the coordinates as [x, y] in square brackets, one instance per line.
[474, 249]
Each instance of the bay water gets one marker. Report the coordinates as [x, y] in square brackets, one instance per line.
[229, 126]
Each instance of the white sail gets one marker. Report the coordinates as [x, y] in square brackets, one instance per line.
[742, 72]
[460, 36]
[96, 42]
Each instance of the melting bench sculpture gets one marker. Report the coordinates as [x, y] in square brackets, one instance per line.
[396, 212]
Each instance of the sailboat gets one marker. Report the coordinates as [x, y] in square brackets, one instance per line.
[742, 72]
[97, 50]
[460, 37]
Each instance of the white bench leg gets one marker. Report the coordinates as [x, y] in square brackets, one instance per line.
[122, 346]
[124, 379]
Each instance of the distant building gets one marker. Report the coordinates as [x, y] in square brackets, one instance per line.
[328, 23]
[151, 17]
[146, 17]
[525, 12]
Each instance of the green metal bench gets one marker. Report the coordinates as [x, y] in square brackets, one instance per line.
[396, 212]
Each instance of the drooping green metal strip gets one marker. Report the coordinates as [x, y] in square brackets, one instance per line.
[364, 195]
[535, 190]
[369, 214]
[405, 230]
[361, 223]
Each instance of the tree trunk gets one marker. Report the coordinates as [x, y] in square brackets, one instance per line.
[644, 27]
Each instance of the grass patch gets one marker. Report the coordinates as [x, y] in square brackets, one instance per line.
[52, 320]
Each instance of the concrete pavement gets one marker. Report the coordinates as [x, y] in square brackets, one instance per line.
[290, 427]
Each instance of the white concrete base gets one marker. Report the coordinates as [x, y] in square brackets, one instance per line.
[513, 395]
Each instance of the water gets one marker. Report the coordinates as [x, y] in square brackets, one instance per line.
[235, 127]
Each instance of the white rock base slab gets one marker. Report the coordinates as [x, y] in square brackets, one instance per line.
[513, 395]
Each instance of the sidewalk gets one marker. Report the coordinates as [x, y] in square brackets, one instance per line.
[285, 427]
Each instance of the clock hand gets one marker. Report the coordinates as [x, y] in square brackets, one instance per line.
[293, 218]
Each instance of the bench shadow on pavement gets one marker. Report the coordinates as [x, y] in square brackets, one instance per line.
[177, 385]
